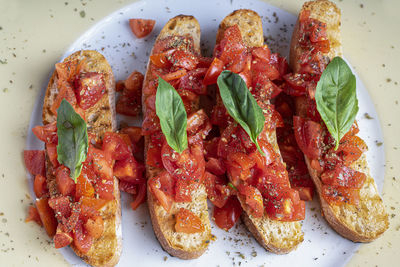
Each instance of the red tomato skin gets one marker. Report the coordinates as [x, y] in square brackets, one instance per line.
[46, 133]
[308, 136]
[114, 144]
[213, 71]
[227, 216]
[140, 196]
[82, 240]
[33, 215]
[141, 27]
[51, 150]
[35, 161]
[40, 186]
[188, 222]
[89, 88]
[62, 239]
[65, 184]
[46, 216]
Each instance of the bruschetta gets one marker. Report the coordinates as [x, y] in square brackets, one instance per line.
[79, 201]
[176, 196]
[272, 210]
[348, 194]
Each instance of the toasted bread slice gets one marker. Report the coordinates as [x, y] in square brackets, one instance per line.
[369, 220]
[181, 245]
[106, 250]
[275, 236]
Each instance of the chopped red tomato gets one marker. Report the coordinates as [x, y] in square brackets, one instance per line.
[343, 176]
[46, 216]
[351, 148]
[62, 239]
[65, 92]
[46, 133]
[141, 27]
[295, 84]
[215, 166]
[338, 195]
[262, 52]
[162, 186]
[94, 227]
[95, 203]
[161, 60]
[65, 184]
[114, 145]
[134, 82]
[82, 240]
[174, 75]
[129, 104]
[183, 189]
[105, 188]
[198, 123]
[231, 45]
[51, 150]
[140, 196]
[89, 88]
[127, 187]
[40, 186]
[305, 193]
[184, 59]
[217, 190]
[188, 222]
[33, 215]
[228, 215]
[83, 184]
[193, 81]
[129, 170]
[102, 162]
[254, 199]
[35, 162]
[135, 133]
[215, 69]
[308, 136]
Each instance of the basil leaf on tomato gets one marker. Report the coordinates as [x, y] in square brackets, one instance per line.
[172, 114]
[336, 98]
[72, 135]
[241, 105]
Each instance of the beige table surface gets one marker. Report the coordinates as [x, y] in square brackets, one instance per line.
[35, 34]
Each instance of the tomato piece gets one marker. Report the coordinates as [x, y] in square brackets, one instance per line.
[151, 123]
[153, 156]
[104, 187]
[305, 193]
[261, 66]
[94, 227]
[141, 27]
[254, 199]
[184, 59]
[83, 185]
[140, 196]
[296, 85]
[114, 145]
[217, 191]
[82, 240]
[127, 187]
[264, 88]
[213, 71]
[46, 133]
[193, 81]
[65, 92]
[119, 86]
[102, 162]
[343, 176]
[228, 215]
[91, 202]
[129, 105]
[162, 187]
[351, 148]
[241, 160]
[46, 215]
[134, 82]
[183, 189]
[129, 170]
[308, 136]
[89, 88]
[262, 52]
[188, 222]
[69, 224]
[204, 62]
[40, 186]
[211, 148]
[134, 133]
[318, 31]
[61, 206]
[62, 239]
[198, 123]
[232, 44]
[51, 150]
[338, 195]
[161, 59]
[33, 215]
[215, 166]
[65, 184]
[174, 75]
[35, 162]
[286, 206]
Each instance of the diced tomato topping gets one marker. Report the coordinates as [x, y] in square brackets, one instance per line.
[95, 203]
[114, 145]
[127, 187]
[141, 27]
[215, 166]
[134, 82]
[162, 186]
[94, 227]
[105, 188]
[305, 193]
[253, 198]
[232, 44]
[174, 75]
[183, 189]
[62, 239]
[343, 176]
[351, 148]
[33, 215]
[65, 184]
[46, 215]
[46, 133]
[188, 222]
[213, 71]
[51, 150]
[135, 133]
[217, 190]
[89, 88]
[82, 240]
[140, 196]
[198, 123]
[102, 162]
[129, 170]
[40, 186]
[308, 136]
[193, 81]
[35, 162]
[226, 216]
[65, 92]
[83, 185]
[296, 85]
[129, 103]
[338, 195]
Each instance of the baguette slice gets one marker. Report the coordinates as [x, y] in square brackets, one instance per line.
[275, 236]
[181, 245]
[106, 250]
[369, 220]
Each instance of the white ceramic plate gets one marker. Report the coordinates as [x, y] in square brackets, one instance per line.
[114, 39]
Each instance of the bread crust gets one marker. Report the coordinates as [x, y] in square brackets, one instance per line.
[275, 236]
[181, 245]
[106, 250]
[369, 220]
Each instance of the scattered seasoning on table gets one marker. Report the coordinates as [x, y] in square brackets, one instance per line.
[82, 13]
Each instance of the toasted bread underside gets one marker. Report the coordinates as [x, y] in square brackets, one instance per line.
[275, 236]
[369, 220]
[181, 245]
[106, 250]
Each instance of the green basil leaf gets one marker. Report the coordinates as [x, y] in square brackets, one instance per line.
[241, 105]
[336, 98]
[172, 114]
[72, 134]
